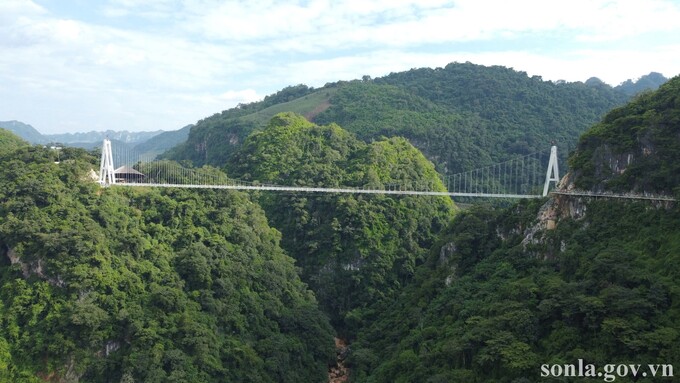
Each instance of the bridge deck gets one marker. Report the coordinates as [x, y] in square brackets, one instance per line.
[306, 189]
[331, 190]
[608, 195]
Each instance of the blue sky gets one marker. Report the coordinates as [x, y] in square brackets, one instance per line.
[81, 65]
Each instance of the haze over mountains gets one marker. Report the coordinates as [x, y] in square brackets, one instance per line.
[144, 143]
[32, 135]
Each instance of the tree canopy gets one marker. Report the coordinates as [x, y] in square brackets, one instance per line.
[462, 116]
[109, 285]
[548, 282]
[9, 142]
[352, 249]
[635, 147]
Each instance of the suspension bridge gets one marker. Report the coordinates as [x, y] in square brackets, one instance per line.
[527, 176]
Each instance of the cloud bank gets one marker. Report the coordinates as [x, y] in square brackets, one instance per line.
[161, 64]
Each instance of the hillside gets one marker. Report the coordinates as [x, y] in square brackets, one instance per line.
[461, 117]
[352, 250]
[24, 131]
[174, 285]
[506, 292]
[651, 81]
[10, 142]
[123, 285]
[634, 148]
[464, 116]
[162, 142]
[215, 139]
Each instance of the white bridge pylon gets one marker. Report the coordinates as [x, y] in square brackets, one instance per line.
[516, 178]
[553, 173]
[107, 174]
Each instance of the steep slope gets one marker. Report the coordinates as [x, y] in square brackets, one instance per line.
[162, 142]
[465, 116]
[10, 142]
[25, 131]
[462, 116]
[216, 138]
[651, 81]
[109, 285]
[352, 249]
[634, 148]
[504, 295]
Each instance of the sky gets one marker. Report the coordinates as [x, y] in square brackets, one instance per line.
[141, 65]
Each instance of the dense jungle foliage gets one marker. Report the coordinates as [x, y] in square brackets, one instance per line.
[9, 142]
[215, 139]
[476, 116]
[505, 291]
[127, 285]
[488, 307]
[353, 250]
[462, 116]
[635, 147]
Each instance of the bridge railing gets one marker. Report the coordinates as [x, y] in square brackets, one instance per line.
[519, 177]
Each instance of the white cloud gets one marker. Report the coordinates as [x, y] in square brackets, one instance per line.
[322, 24]
[165, 63]
[8, 8]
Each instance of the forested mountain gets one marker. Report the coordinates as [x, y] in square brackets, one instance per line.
[634, 148]
[462, 116]
[542, 283]
[126, 285]
[353, 250]
[651, 81]
[162, 142]
[25, 131]
[215, 139]
[10, 142]
[148, 285]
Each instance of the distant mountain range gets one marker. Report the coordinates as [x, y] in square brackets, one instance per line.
[146, 143]
[122, 136]
[25, 131]
[32, 135]
[651, 81]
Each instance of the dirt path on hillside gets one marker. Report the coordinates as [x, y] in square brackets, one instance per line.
[339, 373]
[320, 108]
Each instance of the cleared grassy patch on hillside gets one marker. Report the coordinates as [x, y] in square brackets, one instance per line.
[308, 106]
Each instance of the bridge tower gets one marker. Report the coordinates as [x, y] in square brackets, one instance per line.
[107, 175]
[553, 173]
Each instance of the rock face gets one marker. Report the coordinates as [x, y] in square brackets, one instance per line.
[634, 148]
[609, 163]
[32, 268]
[339, 373]
[555, 209]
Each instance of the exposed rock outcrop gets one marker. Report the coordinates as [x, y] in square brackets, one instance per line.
[31, 268]
[339, 373]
